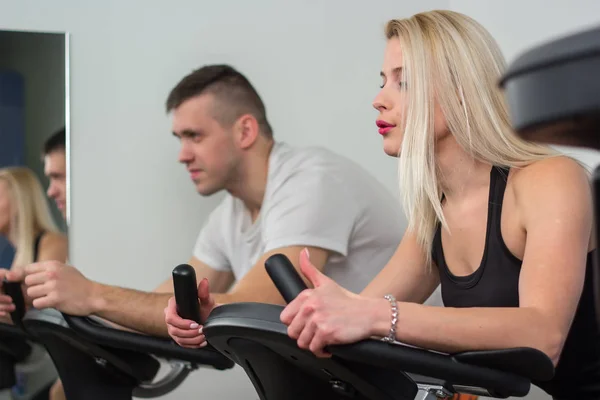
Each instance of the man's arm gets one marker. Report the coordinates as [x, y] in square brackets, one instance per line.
[220, 281]
[53, 247]
[63, 287]
[257, 286]
[144, 312]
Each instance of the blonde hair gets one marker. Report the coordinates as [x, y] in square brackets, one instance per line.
[32, 214]
[451, 58]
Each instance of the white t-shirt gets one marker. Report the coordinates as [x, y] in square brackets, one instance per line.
[313, 197]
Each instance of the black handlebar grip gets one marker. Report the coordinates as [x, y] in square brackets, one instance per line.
[186, 292]
[13, 289]
[284, 276]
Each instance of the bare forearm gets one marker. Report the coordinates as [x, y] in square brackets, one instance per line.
[268, 295]
[133, 309]
[452, 330]
[241, 296]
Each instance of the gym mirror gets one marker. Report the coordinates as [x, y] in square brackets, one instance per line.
[34, 144]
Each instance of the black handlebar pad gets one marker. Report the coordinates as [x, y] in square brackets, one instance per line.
[7, 330]
[161, 347]
[186, 292]
[284, 276]
[488, 369]
[502, 373]
[13, 339]
[13, 289]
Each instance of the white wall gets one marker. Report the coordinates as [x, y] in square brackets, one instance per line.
[317, 82]
[134, 213]
[519, 25]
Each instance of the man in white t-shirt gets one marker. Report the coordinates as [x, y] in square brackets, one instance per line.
[279, 200]
[313, 198]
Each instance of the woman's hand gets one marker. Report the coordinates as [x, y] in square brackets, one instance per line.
[327, 314]
[185, 332]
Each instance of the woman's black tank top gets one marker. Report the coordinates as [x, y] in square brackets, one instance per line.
[496, 284]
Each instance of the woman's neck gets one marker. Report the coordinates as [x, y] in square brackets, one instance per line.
[459, 173]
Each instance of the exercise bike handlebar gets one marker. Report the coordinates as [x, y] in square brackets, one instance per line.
[13, 289]
[284, 276]
[495, 370]
[185, 287]
[94, 332]
[13, 337]
[184, 281]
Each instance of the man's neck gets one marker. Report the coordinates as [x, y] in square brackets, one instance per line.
[252, 181]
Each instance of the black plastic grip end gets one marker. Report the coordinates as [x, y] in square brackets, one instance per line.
[284, 276]
[186, 292]
[13, 289]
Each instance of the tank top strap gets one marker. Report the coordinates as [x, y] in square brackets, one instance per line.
[498, 181]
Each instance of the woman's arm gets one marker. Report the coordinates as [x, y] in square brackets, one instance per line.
[555, 206]
[405, 276]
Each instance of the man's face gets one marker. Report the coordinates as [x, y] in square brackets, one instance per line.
[207, 149]
[55, 169]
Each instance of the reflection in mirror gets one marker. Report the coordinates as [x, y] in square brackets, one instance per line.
[34, 124]
[33, 116]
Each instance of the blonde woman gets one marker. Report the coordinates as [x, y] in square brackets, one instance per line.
[503, 225]
[26, 221]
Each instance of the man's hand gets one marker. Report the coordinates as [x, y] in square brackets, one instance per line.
[51, 284]
[185, 332]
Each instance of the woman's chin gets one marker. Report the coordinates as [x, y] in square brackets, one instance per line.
[390, 148]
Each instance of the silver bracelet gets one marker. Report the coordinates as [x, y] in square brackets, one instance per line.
[391, 337]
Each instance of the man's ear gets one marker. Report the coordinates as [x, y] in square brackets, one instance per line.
[248, 131]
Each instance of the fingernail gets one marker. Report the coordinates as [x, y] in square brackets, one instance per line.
[200, 330]
[194, 326]
[306, 252]
[203, 344]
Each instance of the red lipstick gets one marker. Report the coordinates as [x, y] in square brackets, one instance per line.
[384, 127]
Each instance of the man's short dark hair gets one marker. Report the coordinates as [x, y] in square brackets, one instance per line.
[233, 92]
[55, 142]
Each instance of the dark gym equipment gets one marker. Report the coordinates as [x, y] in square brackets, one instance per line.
[98, 362]
[14, 348]
[15, 343]
[252, 335]
[553, 95]
[186, 292]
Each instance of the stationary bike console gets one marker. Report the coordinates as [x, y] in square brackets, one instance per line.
[252, 335]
